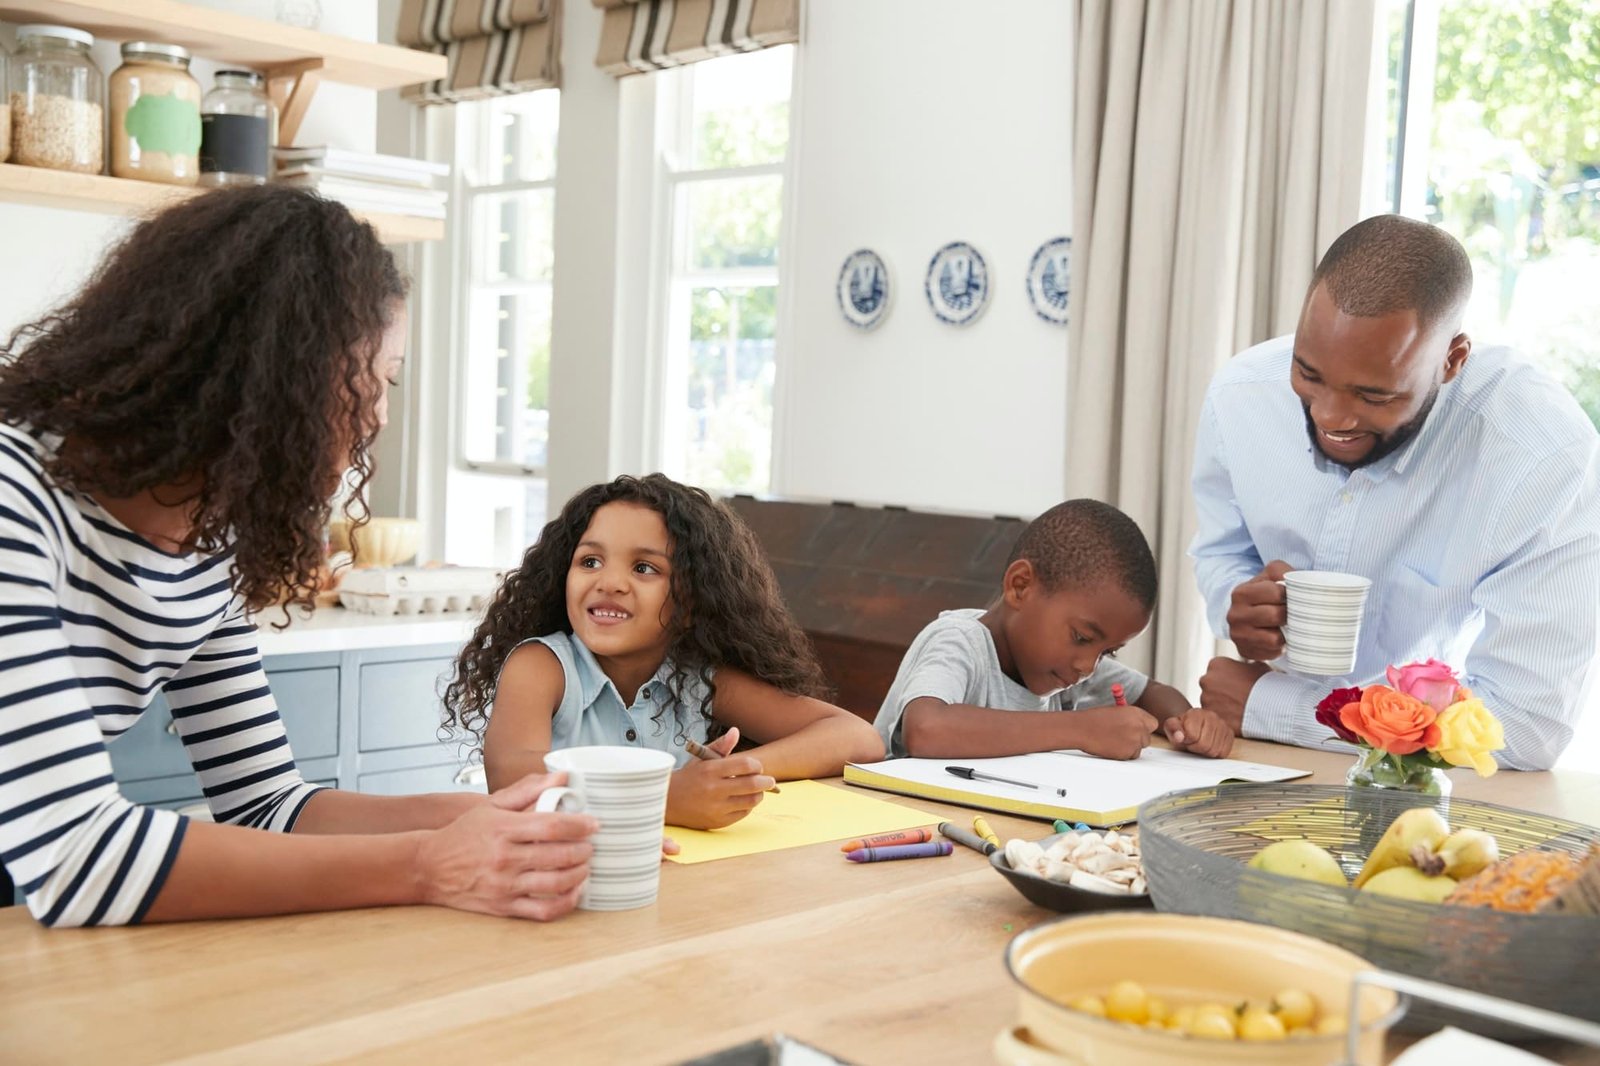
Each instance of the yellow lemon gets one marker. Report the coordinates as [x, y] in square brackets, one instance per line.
[1127, 1002]
[1212, 1026]
[1158, 1010]
[1294, 1007]
[1089, 1005]
[1258, 1024]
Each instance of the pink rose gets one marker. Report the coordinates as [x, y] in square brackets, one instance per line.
[1432, 682]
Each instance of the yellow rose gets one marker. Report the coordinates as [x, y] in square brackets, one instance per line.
[1467, 733]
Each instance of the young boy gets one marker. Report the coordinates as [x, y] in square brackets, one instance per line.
[1081, 583]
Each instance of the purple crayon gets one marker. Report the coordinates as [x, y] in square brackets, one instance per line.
[901, 851]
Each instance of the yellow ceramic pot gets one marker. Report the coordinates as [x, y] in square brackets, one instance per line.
[381, 542]
[1182, 959]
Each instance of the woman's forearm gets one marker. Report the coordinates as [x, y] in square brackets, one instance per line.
[337, 811]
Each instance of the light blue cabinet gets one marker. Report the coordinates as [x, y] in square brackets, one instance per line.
[364, 720]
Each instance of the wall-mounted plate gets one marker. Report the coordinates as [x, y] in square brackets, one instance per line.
[863, 289]
[1049, 280]
[957, 284]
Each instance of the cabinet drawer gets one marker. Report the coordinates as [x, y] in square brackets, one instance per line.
[400, 704]
[446, 777]
[308, 702]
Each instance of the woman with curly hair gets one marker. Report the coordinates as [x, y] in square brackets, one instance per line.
[169, 442]
[647, 615]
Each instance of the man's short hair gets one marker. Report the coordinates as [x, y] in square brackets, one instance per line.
[1391, 263]
[1086, 542]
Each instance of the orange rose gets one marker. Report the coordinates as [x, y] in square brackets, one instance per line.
[1391, 721]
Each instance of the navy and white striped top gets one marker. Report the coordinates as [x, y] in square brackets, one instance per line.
[93, 621]
[1481, 537]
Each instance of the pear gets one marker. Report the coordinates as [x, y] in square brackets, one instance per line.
[1302, 859]
[1408, 882]
[1420, 826]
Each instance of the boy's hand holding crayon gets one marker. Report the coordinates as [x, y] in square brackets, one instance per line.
[713, 793]
[1117, 732]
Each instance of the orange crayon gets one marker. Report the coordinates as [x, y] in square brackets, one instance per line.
[882, 840]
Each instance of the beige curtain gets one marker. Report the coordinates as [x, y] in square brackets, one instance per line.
[495, 47]
[644, 35]
[1217, 152]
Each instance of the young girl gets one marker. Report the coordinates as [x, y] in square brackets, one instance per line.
[647, 615]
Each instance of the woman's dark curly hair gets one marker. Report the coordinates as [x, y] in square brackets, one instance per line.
[726, 607]
[228, 341]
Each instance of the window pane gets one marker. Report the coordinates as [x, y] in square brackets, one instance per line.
[511, 236]
[733, 222]
[731, 340]
[741, 109]
[506, 415]
[509, 139]
[1514, 172]
[491, 521]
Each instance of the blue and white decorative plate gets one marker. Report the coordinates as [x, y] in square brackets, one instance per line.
[1049, 279]
[957, 284]
[863, 289]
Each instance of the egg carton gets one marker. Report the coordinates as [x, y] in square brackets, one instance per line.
[418, 590]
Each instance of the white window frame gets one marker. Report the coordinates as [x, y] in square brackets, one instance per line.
[671, 278]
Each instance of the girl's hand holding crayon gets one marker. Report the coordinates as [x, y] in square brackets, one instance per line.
[713, 793]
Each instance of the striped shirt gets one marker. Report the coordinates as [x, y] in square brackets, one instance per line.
[93, 622]
[1481, 537]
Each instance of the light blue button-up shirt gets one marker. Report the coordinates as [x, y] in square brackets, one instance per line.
[592, 711]
[1481, 537]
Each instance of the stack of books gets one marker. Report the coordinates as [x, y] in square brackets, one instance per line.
[366, 181]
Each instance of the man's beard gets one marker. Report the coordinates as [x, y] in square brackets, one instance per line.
[1387, 445]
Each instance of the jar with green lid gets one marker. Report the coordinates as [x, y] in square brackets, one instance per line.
[155, 115]
[237, 123]
[57, 99]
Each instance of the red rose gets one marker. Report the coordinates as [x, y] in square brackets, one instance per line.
[1328, 712]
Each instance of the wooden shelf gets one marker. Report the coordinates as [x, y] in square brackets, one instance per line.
[236, 39]
[120, 196]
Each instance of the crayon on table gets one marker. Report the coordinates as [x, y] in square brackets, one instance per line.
[966, 838]
[981, 827]
[902, 851]
[903, 836]
[700, 751]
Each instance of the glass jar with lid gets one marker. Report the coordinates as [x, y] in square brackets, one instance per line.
[155, 115]
[57, 101]
[5, 110]
[237, 130]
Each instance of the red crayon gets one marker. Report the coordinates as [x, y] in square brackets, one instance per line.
[903, 836]
[902, 851]
[1116, 694]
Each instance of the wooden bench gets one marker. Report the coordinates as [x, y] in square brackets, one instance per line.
[863, 581]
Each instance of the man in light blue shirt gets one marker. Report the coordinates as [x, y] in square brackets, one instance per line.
[1467, 489]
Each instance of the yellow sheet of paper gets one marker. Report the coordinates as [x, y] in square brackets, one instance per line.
[804, 812]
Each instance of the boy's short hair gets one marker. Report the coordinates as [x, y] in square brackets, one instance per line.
[1086, 542]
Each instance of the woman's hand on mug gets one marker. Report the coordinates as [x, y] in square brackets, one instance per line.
[1258, 612]
[505, 858]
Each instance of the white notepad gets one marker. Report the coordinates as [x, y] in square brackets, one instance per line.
[1072, 785]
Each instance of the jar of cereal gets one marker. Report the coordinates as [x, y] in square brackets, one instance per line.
[155, 115]
[57, 95]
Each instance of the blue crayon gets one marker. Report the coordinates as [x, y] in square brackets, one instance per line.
[901, 851]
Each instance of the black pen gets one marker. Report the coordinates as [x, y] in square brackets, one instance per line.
[978, 775]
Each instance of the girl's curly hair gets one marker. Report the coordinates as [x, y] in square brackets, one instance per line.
[727, 610]
[230, 337]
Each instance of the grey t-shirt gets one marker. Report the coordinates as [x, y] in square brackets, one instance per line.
[954, 659]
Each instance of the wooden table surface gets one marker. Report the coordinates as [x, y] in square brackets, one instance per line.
[883, 963]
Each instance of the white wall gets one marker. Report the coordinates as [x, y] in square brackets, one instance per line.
[919, 122]
[45, 254]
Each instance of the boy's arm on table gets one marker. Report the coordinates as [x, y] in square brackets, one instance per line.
[933, 728]
[1190, 728]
